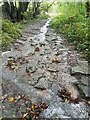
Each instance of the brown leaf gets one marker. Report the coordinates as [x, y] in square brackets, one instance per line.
[11, 60]
[29, 74]
[11, 99]
[25, 115]
[66, 95]
[4, 96]
[57, 60]
[37, 49]
[32, 107]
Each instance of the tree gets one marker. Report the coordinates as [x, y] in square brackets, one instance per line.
[13, 12]
[7, 9]
[87, 8]
[36, 10]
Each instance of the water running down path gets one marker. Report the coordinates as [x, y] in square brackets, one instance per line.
[37, 50]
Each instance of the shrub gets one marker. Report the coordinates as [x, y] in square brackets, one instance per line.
[9, 32]
[75, 27]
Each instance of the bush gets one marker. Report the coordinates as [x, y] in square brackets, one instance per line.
[43, 16]
[75, 27]
[9, 32]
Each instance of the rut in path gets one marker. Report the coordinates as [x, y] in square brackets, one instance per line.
[42, 63]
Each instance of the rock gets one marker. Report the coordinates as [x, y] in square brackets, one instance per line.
[34, 78]
[35, 28]
[85, 80]
[54, 38]
[20, 42]
[42, 84]
[72, 58]
[52, 79]
[52, 70]
[84, 89]
[34, 62]
[31, 80]
[52, 67]
[47, 34]
[72, 90]
[54, 111]
[46, 95]
[65, 110]
[83, 85]
[66, 78]
[81, 68]
[55, 88]
[23, 38]
[64, 68]
[8, 75]
[75, 110]
[83, 63]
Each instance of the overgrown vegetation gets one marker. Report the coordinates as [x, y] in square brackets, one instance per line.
[9, 32]
[72, 21]
[74, 25]
[15, 15]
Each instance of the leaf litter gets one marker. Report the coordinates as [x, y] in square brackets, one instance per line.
[14, 64]
[67, 96]
[32, 110]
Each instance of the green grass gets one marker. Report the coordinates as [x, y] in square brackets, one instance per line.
[75, 28]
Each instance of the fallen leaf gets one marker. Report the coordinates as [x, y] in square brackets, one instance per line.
[36, 106]
[57, 60]
[66, 95]
[18, 97]
[36, 109]
[33, 106]
[4, 96]
[37, 49]
[29, 74]
[0, 107]
[11, 60]
[11, 64]
[25, 115]
[88, 102]
[1, 118]
[66, 100]
[11, 99]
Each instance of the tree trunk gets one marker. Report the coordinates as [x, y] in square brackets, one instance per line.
[34, 7]
[13, 12]
[7, 9]
[87, 8]
[21, 9]
[36, 10]
[18, 15]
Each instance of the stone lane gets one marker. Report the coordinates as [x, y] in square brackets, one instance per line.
[42, 63]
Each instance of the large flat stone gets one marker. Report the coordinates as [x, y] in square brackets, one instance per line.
[83, 85]
[42, 84]
[81, 68]
[65, 110]
[66, 78]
